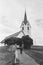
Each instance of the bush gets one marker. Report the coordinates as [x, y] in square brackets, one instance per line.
[11, 41]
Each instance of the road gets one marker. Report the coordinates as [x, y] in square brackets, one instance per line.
[26, 59]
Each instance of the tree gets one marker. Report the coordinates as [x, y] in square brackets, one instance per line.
[11, 41]
[27, 41]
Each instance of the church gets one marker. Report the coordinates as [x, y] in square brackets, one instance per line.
[25, 29]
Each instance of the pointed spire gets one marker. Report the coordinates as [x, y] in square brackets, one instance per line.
[25, 21]
[25, 16]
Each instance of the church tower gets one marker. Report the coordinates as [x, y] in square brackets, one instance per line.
[25, 26]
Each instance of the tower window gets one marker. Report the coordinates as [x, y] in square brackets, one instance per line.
[28, 28]
[22, 28]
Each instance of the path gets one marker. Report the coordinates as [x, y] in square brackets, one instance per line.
[26, 60]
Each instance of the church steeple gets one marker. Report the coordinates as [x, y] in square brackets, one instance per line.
[25, 26]
[25, 18]
[25, 21]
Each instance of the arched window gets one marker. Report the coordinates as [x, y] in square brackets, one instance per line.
[28, 28]
[22, 28]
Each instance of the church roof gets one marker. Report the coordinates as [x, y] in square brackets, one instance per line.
[12, 35]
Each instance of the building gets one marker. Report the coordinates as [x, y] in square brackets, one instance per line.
[25, 29]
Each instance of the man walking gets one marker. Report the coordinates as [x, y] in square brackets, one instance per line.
[21, 48]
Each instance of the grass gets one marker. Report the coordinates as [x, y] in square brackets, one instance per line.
[5, 56]
[36, 53]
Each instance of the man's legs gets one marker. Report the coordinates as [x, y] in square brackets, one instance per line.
[15, 58]
[21, 51]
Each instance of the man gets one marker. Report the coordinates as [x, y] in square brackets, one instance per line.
[21, 48]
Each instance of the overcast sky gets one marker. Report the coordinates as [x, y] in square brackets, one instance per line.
[12, 14]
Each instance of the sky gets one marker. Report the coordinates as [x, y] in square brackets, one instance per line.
[12, 15]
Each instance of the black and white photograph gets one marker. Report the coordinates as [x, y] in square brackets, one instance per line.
[21, 32]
